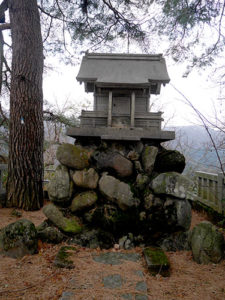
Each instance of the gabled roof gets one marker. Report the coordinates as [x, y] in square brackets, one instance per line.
[129, 69]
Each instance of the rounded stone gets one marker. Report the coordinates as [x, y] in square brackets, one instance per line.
[207, 243]
[86, 178]
[73, 156]
[18, 239]
[169, 161]
[83, 200]
[60, 187]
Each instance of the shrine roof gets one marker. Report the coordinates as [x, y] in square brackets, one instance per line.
[123, 69]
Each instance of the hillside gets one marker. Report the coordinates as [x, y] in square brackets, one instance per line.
[194, 142]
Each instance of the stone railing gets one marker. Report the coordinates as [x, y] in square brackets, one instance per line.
[211, 190]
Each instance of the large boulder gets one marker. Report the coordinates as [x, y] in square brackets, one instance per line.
[83, 200]
[60, 187]
[114, 161]
[18, 239]
[117, 191]
[86, 178]
[73, 156]
[148, 158]
[173, 184]
[169, 161]
[67, 225]
[162, 217]
[207, 243]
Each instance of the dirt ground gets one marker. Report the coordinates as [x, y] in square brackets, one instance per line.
[35, 277]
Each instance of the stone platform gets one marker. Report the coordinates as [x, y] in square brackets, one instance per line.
[121, 134]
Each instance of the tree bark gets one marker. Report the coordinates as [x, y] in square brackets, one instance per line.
[25, 169]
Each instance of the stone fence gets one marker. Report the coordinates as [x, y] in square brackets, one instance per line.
[211, 190]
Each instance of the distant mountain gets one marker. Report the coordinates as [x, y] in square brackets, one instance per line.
[196, 145]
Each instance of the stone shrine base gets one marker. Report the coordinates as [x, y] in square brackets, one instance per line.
[121, 134]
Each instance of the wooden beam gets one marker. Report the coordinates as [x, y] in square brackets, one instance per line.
[132, 109]
[109, 122]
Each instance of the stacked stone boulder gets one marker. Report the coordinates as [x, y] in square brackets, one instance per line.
[113, 190]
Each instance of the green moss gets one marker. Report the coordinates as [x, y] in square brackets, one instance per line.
[62, 256]
[72, 226]
[157, 256]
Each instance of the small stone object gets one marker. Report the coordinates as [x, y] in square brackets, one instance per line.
[148, 158]
[112, 281]
[173, 184]
[116, 247]
[207, 243]
[83, 200]
[117, 191]
[86, 178]
[157, 261]
[18, 239]
[73, 156]
[126, 242]
[56, 217]
[62, 257]
[60, 187]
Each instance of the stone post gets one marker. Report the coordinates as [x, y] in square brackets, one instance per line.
[132, 109]
[109, 122]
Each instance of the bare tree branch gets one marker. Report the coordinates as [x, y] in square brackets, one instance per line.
[204, 124]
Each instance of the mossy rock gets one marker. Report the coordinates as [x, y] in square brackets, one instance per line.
[51, 235]
[18, 239]
[60, 187]
[73, 156]
[207, 243]
[62, 257]
[83, 200]
[157, 261]
[67, 225]
[173, 184]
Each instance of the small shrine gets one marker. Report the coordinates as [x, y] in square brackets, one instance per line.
[122, 85]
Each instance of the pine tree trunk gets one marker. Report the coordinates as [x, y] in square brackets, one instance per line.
[25, 170]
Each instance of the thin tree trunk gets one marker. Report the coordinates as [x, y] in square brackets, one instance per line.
[25, 170]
